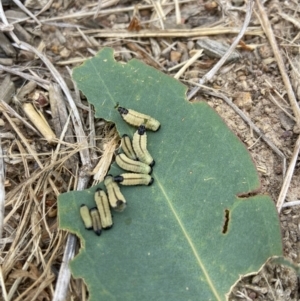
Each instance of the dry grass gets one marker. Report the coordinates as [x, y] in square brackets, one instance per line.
[51, 143]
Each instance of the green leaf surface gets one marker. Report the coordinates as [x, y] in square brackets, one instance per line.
[169, 243]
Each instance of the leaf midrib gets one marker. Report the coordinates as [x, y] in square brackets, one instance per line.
[189, 240]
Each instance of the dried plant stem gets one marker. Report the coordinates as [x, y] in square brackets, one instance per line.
[115, 10]
[294, 21]
[291, 204]
[81, 137]
[15, 285]
[168, 33]
[209, 75]
[24, 140]
[41, 82]
[270, 35]
[64, 272]
[43, 281]
[288, 177]
[177, 12]
[12, 112]
[2, 190]
[189, 63]
[2, 284]
[103, 165]
[39, 121]
[28, 12]
[4, 20]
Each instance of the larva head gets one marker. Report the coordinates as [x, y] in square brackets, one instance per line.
[152, 164]
[118, 179]
[122, 111]
[151, 182]
[120, 206]
[141, 129]
[96, 220]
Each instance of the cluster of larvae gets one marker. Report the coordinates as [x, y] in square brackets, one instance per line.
[136, 159]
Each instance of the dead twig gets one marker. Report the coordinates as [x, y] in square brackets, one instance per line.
[2, 284]
[39, 121]
[270, 35]
[81, 137]
[115, 10]
[24, 140]
[188, 63]
[288, 177]
[2, 190]
[7, 25]
[209, 75]
[291, 204]
[28, 12]
[290, 19]
[168, 33]
[64, 272]
[12, 112]
[41, 82]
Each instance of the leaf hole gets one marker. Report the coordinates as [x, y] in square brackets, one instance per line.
[226, 221]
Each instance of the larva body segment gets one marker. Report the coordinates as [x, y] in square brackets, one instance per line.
[127, 148]
[134, 179]
[136, 119]
[116, 199]
[139, 142]
[131, 165]
[86, 218]
[102, 203]
[96, 221]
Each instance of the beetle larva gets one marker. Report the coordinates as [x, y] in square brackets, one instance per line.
[136, 119]
[96, 220]
[102, 203]
[115, 197]
[134, 179]
[135, 166]
[85, 216]
[140, 146]
[127, 148]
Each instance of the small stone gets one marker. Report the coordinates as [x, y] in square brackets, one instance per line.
[175, 56]
[192, 74]
[265, 51]
[296, 129]
[286, 122]
[65, 53]
[243, 100]
[112, 18]
[252, 295]
[190, 45]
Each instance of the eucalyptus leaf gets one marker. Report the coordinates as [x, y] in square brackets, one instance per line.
[189, 236]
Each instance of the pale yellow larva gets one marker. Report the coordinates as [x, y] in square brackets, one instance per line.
[139, 142]
[136, 119]
[134, 179]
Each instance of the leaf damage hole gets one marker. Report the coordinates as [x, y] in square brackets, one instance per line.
[225, 225]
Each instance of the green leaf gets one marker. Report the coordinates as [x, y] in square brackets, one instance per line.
[188, 236]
